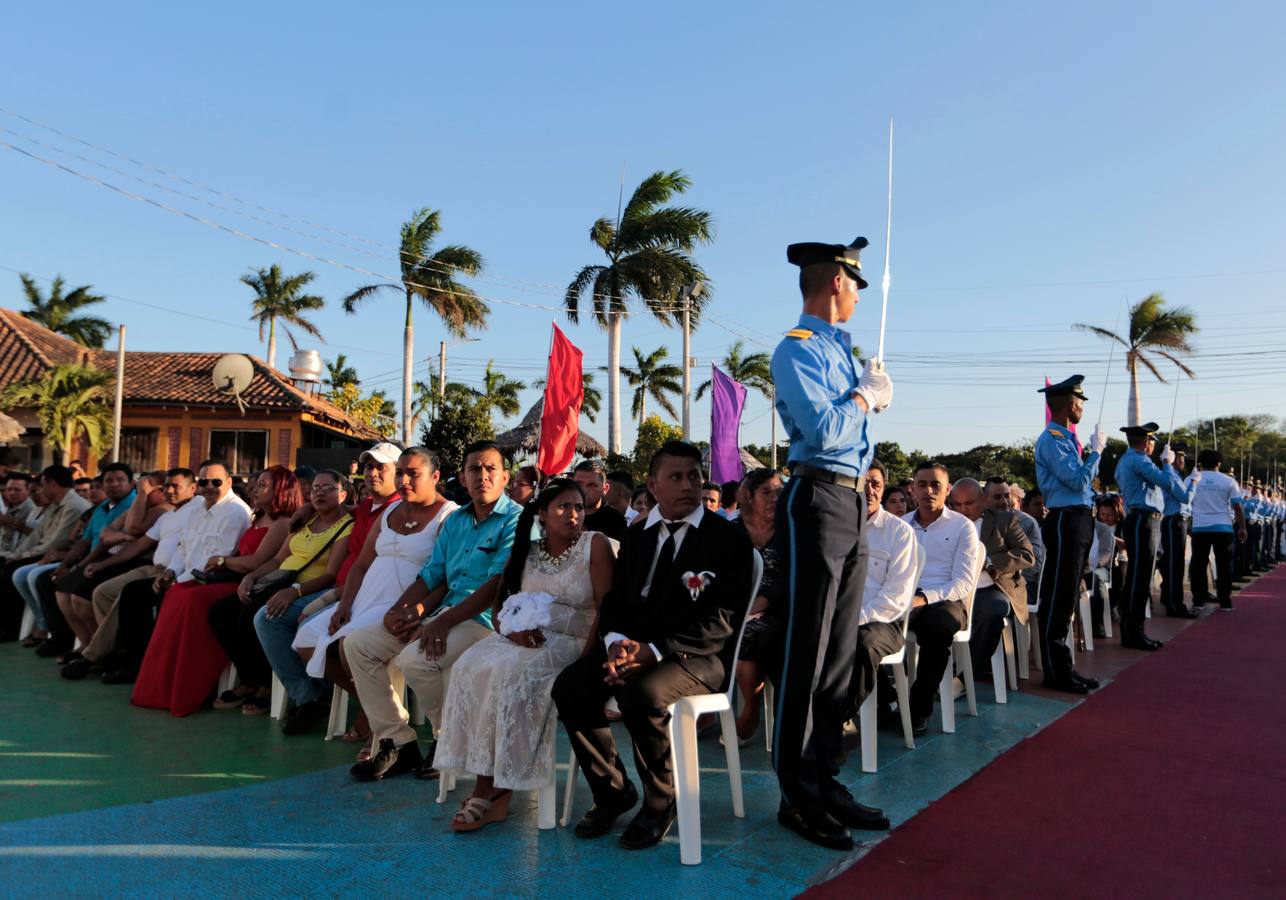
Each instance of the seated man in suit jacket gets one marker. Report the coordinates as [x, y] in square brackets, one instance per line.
[1001, 587]
[662, 640]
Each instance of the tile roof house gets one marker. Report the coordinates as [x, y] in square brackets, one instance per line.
[172, 413]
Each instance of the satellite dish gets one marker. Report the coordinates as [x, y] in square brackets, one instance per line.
[232, 375]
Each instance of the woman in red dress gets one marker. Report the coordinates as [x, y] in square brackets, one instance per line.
[184, 659]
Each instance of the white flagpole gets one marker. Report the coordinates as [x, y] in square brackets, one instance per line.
[888, 235]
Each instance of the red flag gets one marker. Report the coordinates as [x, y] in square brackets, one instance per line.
[564, 393]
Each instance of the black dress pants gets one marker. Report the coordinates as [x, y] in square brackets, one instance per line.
[990, 607]
[819, 527]
[875, 640]
[233, 623]
[11, 603]
[1068, 532]
[580, 693]
[59, 631]
[1203, 542]
[1174, 533]
[137, 611]
[935, 627]
[1142, 537]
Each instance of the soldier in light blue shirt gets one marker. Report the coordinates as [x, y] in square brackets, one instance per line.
[1143, 487]
[1067, 481]
[825, 405]
[1174, 538]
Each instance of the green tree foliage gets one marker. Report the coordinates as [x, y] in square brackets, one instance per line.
[374, 411]
[456, 426]
[71, 401]
[653, 432]
[754, 371]
[499, 392]
[57, 312]
[339, 373]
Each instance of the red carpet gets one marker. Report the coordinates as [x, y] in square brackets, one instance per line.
[1168, 782]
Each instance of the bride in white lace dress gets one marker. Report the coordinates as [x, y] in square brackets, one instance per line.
[497, 721]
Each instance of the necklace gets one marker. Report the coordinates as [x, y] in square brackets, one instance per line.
[555, 560]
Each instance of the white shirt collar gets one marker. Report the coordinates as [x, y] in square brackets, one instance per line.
[693, 518]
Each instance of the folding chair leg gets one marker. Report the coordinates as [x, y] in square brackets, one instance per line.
[733, 750]
[947, 702]
[1011, 662]
[866, 720]
[770, 710]
[547, 803]
[228, 680]
[569, 792]
[998, 672]
[278, 704]
[687, 782]
[338, 723]
[1087, 619]
[966, 675]
[900, 682]
[28, 623]
[1022, 647]
[446, 784]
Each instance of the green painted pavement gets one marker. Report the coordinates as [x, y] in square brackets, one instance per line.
[74, 746]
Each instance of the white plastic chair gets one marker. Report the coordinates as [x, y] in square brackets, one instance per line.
[28, 623]
[866, 713]
[339, 706]
[683, 748]
[959, 656]
[546, 797]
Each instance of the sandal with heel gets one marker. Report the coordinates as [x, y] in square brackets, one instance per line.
[475, 812]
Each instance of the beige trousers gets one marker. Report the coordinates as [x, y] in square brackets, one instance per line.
[372, 651]
[106, 600]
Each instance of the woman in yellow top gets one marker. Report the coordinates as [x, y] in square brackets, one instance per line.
[306, 564]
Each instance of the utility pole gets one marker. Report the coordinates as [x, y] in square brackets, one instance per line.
[772, 415]
[442, 371]
[687, 295]
[120, 396]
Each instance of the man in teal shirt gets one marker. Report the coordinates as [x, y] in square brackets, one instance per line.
[455, 590]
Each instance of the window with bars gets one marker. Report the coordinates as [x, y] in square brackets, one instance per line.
[245, 452]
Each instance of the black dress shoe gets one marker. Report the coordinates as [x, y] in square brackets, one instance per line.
[648, 828]
[76, 669]
[844, 809]
[1181, 613]
[919, 726]
[1139, 642]
[125, 675]
[425, 771]
[306, 716]
[600, 818]
[1066, 683]
[1227, 607]
[819, 828]
[50, 648]
[1091, 683]
[389, 760]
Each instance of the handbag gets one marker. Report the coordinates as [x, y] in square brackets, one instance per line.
[279, 579]
[218, 576]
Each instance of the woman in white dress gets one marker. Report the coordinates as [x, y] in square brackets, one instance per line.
[396, 548]
[497, 721]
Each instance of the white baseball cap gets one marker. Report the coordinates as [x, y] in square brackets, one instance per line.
[383, 452]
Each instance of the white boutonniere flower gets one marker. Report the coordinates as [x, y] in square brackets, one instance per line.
[696, 582]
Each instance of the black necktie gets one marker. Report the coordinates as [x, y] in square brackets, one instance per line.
[665, 562]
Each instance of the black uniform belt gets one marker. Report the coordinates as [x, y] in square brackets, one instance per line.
[1146, 512]
[800, 470]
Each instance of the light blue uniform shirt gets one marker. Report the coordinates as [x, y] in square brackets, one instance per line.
[1174, 507]
[1061, 475]
[1144, 486]
[815, 376]
[104, 515]
[468, 553]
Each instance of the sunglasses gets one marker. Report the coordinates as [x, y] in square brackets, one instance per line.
[209, 482]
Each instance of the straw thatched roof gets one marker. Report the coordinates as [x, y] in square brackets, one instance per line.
[526, 437]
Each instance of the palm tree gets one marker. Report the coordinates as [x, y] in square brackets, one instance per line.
[70, 400]
[754, 371]
[281, 298]
[340, 373]
[432, 280]
[649, 258]
[1153, 329]
[499, 392]
[58, 312]
[655, 378]
[428, 397]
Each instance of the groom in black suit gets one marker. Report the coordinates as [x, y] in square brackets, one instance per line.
[659, 643]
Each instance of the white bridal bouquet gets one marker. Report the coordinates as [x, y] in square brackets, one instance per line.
[524, 611]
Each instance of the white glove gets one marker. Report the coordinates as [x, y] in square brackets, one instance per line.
[1167, 456]
[1098, 440]
[1195, 477]
[874, 386]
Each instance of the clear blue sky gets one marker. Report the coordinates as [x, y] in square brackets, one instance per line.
[1051, 160]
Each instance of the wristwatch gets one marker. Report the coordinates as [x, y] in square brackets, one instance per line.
[299, 589]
